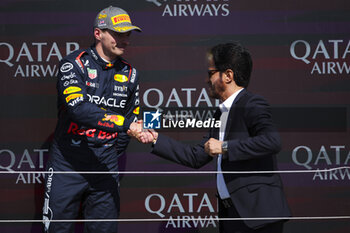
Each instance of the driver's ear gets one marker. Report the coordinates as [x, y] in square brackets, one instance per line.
[98, 34]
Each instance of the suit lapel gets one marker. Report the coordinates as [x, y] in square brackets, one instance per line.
[231, 115]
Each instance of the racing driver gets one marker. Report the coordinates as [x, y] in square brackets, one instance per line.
[98, 99]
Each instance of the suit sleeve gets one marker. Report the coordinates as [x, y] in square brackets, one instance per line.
[72, 97]
[175, 151]
[263, 136]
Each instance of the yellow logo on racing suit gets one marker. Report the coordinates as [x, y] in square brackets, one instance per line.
[73, 96]
[136, 111]
[120, 19]
[116, 119]
[70, 90]
[120, 78]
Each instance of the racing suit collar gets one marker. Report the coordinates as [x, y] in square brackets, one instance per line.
[100, 61]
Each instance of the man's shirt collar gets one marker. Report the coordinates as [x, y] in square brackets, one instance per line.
[226, 105]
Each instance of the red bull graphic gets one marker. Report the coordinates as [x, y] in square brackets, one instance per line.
[91, 133]
[116, 119]
[136, 111]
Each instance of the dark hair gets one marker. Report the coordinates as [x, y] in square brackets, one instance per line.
[235, 57]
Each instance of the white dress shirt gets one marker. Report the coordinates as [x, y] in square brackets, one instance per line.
[225, 110]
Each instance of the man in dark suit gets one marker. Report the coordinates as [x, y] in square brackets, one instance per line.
[247, 141]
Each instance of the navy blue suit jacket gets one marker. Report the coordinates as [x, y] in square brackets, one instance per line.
[253, 143]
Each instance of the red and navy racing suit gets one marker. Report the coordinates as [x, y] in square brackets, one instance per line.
[97, 101]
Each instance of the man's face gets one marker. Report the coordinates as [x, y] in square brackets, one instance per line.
[215, 82]
[114, 43]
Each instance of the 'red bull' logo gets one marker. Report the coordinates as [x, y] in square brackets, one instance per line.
[109, 65]
[116, 119]
[136, 111]
[91, 133]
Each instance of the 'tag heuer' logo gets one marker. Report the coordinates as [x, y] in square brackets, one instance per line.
[92, 73]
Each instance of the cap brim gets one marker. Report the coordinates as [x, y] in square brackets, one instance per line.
[126, 29]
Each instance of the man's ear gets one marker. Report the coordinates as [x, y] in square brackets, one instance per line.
[98, 34]
[229, 76]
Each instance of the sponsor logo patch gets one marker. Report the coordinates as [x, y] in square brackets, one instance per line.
[102, 23]
[66, 67]
[123, 29]
[69, 82]
[92, 73]
[116, 119]
[102, 16]
[73, 96]
[76, 101]
[133, 75]
[120, 78]
[92, 84]
[136, 111]
[69, 76]
[109, 65]
[120, 19]
[91, 133]
[120, 94]
[121, 88]
[71, 89]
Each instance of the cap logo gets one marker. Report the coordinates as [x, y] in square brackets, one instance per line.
[102, 16]
[124, 18]
[101, 23]
[123, 29]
